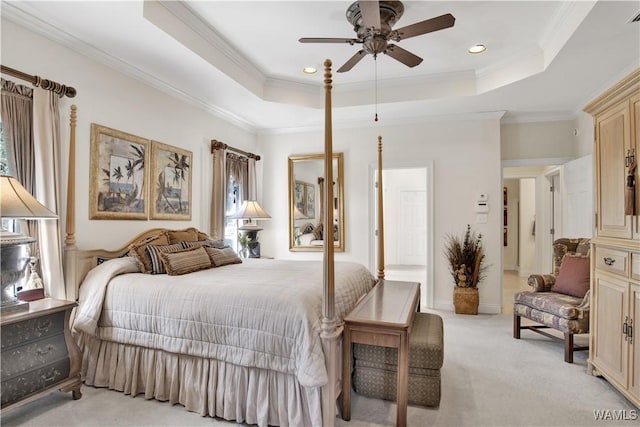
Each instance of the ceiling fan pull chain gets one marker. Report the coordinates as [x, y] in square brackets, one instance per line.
[375, 60]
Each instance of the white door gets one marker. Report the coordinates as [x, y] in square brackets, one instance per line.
[413, 227]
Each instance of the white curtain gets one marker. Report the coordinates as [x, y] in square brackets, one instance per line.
[46, 137]
[218, 194]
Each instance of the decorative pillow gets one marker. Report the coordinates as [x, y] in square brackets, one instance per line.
[574, 276]
[307, 228]
[211, 243]
[154, 251]
[317, 232]
[186, 235]
[203, 236]
[187, 261]
[224, 256]
[139, 249]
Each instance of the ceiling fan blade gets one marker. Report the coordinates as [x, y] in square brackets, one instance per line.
[370, 11]
[402, 55]
[328, 40]
[352, 61]
[434, 24]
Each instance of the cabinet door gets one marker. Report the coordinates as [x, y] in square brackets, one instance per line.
[613, 139]
[635, 142]
[634, 356]
[610, 352]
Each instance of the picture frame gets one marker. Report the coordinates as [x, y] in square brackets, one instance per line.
[310, 200]
[118, 175]
[170, 182]
[300, 197]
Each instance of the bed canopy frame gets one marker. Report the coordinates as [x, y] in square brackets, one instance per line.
[78, 262]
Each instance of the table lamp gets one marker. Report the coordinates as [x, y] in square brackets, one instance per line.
[16, 203]
[251, 209]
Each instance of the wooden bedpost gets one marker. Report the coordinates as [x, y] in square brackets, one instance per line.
[380, 215]
[70, 247]
[330, 331]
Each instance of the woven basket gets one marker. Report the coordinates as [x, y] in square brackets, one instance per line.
[466, 300]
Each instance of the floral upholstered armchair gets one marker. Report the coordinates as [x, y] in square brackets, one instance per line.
[559, 300]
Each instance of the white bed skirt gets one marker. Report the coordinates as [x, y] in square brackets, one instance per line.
[207, 386]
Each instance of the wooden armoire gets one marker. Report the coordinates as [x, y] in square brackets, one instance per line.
[615, 252]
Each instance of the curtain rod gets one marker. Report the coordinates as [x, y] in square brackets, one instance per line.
[219, 145]
[55, 87]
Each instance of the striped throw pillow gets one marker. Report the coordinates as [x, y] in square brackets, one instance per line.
[224, 256]
[209, 242]
[186, 261]
[154, 251]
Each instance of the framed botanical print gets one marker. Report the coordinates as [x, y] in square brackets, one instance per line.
[300, 197]
[170, 182]
[118, 175]
[310, 200]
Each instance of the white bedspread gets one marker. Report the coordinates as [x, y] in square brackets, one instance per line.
[261, 313]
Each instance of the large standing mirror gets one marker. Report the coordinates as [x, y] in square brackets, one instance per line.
[306, 202]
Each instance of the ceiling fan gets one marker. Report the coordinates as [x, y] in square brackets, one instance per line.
[373, 21]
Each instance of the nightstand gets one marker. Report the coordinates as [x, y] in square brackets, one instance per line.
[39, 355]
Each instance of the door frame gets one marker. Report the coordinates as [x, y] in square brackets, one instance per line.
[427, 290]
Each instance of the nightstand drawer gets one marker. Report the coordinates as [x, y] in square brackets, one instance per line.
[19, 359]
[33, 381]
[22, 332]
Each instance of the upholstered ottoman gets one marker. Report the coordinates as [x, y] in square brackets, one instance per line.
[375, 368]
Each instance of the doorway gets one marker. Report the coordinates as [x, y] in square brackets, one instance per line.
[407, 226]
[532, 211]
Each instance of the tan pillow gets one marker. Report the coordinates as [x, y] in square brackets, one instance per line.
[224, 256]
[574, 276]
[317, 232]
[186, 235]
[202, 236]
[186, 261]
[154, 251]
[139, 249]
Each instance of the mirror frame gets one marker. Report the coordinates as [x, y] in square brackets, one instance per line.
[339, 247]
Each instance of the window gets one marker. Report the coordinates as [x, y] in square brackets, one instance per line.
[7, 224]
[233, 202]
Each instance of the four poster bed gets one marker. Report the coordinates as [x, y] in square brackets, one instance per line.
[256, 342]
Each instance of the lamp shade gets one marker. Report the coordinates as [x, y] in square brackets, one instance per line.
[297, 214]
[250, 209]
[16, 202]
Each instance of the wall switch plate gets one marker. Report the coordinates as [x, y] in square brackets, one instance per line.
[481, 218]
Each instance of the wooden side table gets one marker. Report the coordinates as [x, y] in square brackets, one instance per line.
[383, 318]
[39, 355]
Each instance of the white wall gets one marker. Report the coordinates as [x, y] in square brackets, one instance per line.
[466, 162]
[538, 140]
[110, 98]
[578, 201]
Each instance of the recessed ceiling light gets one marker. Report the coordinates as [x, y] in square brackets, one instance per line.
[479, 48]
[309, 70]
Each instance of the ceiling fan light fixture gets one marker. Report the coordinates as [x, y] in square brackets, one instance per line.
[309, 70]
[477, 48]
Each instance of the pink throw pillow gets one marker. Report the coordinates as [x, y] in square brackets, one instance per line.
[574, 276]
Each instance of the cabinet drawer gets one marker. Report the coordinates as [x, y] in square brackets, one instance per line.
[31, 329]
[33, 381]
[19, 359]
[612, 260]
[635, 265]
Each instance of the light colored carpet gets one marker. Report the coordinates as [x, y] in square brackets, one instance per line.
[488, 379]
